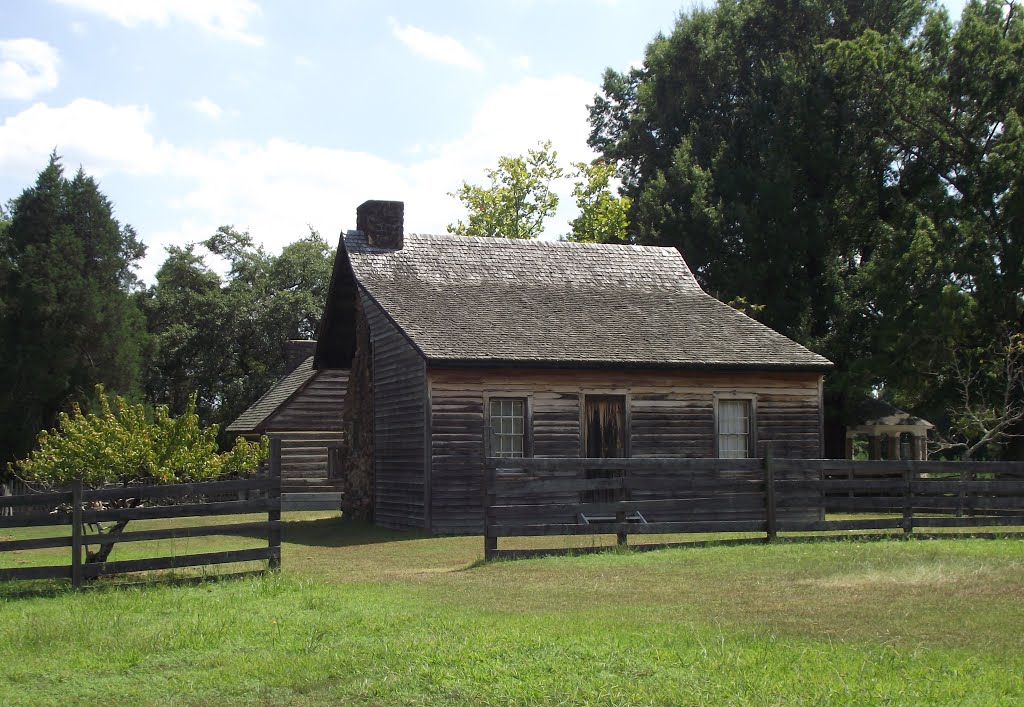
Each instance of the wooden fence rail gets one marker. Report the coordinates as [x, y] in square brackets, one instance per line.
[579, 496]
[79, 507]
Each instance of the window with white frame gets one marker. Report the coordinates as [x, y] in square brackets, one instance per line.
[508, 427]
[734, 428]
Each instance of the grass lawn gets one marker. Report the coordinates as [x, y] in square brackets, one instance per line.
[365, 616]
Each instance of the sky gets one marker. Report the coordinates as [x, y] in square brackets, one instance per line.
[276, 116]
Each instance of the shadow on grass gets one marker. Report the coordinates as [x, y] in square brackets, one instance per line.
[335, 532]
[57, 588]
[338, 532]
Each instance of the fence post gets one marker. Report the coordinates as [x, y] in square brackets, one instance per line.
[769, 492]
[490, 499]
[488, 496]
[620, 518]
[76, 533]
[274, 504]
[961, 496]
[908, 502]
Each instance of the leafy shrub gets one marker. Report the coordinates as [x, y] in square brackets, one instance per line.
[120, 445]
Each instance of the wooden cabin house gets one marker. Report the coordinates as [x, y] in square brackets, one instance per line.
[510, 347]
[303, 410]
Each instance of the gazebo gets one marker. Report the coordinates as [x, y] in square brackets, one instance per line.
[891, 433]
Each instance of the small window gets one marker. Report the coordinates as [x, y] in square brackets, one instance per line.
[508, 427]
[734, 429]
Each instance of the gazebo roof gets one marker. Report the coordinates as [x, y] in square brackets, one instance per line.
[874, 415]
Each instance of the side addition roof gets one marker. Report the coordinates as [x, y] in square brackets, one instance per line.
[281, 392]
[489, 301]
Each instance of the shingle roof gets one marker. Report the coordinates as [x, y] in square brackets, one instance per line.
[491, 300]
[279, 393]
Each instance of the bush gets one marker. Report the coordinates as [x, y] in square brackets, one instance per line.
[120, 445]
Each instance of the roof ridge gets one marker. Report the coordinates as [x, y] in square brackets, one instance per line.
[538, 242]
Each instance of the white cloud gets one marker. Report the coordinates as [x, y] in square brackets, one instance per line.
[28, 67]
[436, 47]
[102, 137]
[207, 107]
[225, 18]
[276, 187]
[523, 62]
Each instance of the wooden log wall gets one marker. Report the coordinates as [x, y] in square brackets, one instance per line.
[670, 414]
[399, 409]
[307, 426]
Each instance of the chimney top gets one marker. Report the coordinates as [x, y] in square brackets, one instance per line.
[383, 223]
[296, 351]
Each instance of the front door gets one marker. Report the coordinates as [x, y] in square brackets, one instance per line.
[605, 438]
[605, 433]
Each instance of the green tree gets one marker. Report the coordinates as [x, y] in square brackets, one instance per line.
[736, 145]
[518, 199]
[948, 277]
[225, 336]
[188, 343]
[68, 321]
[603, 214]
[119, 445]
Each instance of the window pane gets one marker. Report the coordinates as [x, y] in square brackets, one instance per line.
[508, 424]
[734, 429]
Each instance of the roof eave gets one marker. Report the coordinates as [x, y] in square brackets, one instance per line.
[651, 365]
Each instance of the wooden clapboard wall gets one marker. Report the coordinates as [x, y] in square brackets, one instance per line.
[668, 414]
[307, 425]
[399, 411]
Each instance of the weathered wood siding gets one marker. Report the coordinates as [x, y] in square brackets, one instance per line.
[399, 409]
[307, 424]
[668, 414]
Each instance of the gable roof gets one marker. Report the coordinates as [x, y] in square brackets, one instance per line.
[489, 301]
[282, 391]
[872, 412]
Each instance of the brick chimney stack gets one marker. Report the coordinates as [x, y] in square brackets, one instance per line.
[383, 223]
[296, 351]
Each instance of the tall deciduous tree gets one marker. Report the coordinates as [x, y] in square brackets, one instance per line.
[604, 215]
[68, 321]
[948, 277]
[741, 146]
[224, 336]
[518, 199]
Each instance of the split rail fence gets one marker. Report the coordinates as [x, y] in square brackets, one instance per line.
[80, 507]
[579, 496]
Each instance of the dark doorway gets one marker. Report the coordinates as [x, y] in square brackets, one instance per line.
[605, 417]
[605, 438]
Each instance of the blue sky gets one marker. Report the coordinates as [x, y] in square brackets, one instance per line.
[273, 115]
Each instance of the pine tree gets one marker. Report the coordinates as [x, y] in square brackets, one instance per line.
[68, 322]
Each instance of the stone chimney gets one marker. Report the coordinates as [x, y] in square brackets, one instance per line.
[296, 351]
[383, 223]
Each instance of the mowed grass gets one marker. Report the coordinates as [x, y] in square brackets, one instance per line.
[365, 616]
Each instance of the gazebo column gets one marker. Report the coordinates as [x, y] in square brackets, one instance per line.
[894, 446]
[874, 447]
[921, 447]
[849, 446]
